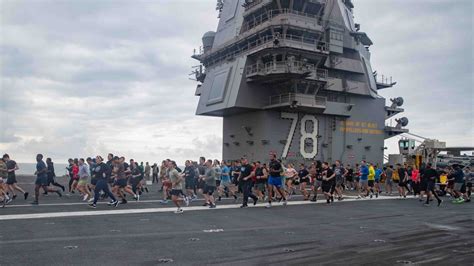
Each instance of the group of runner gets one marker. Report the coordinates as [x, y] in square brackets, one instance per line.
[96, 178]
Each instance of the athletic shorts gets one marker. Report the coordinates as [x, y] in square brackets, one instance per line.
[357, 179]
[82, 182]
[41, 181]
[121, 183]
[430, 185]
[326, 187]
[339, 180]
[458, 186]
[11, 180]
[260, 186]
[305, 180]
[364, 182]
[377, 181]
[371, 183]
[176, 192]
[209, 190]
[274, 181]
[94, 181]
[317, 183]
[201, 184]
[189, 181]
[388, 181]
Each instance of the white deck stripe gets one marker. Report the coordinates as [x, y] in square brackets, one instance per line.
[154, 210]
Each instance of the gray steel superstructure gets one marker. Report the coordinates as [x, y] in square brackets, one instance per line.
[294, 77]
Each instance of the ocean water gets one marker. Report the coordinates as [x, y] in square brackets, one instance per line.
[30, 168]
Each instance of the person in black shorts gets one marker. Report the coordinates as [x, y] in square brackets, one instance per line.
[189, 179]
[428, 181]
[11, 182]
[303, 175]
[52, 174]
[328, 182]
[42, 179]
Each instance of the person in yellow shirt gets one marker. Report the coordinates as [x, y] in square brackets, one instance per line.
[371, 179]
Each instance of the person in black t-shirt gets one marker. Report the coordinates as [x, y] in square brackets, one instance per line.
[303, 175]
[328, 181]
[246, 174]
[428, 180]
[274, 180]
[261, 176]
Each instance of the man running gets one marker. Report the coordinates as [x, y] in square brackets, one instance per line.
[328, 181]
[274, 180]
[226, 185]
[84, 174]
[209, 179]
[177, 186]
[3, 187]
[189, 178]
[303, 175]
[428, 181]
[316, 172]
[101, 174]
[42, 179]
[402, 183]
[388, 179]
[52, 174]
[364, 180]
[120, 182]
[12, 166]
[246, 175]
[339, 172]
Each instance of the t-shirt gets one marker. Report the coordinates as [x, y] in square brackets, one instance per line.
[40, 169]
[459, 176]
[430, 174]
[83, 171]
[275, 168]
[119, 171]
[175, 179]
[218, 172]
[189, 172]
[401, 173]
[389, 173]
[326, 174]
[225, 176]
[303, 173]
[378, 173]
[364, 172]
[3, 169]
[101, 171]
[245, 170]
[339, 171]
[259, 172]
[371, 175]
[11, 165]
[210, 177]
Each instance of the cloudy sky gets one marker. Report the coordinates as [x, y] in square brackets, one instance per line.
[95, 76]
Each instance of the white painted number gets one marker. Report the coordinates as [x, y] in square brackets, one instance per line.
[294, 122]
[309, 135]
[313, 135]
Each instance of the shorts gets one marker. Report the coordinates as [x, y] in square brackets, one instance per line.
[82, 182]
[326, 187]
[218, 183]
[430, 186]
[260, 186]
[339, 180]
[349, 178]
[189, 183]
[201, 184]
[388, 181]
[317, 184]
[458, 186]
[209, 190]
[41, 181]
[11, 180]
[121, 183]
[94, 181]
[377, 181]
[371, 183]
[275, 181]
[304, 180]
[176, 192]
[364, 183]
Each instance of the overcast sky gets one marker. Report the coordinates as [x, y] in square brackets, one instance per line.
[80, 78]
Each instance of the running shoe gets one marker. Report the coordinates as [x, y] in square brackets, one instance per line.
[59, 193]
[285, 203]
[268, 206]
[213, 206]
[14, 196]
[255, 202]
[439, 202]
[92, 205]
[26, 195]
[164, 201]
[8, 201]
[85, 197]
[91, 200]
[178, 211]
[186, 201]
[244, 206]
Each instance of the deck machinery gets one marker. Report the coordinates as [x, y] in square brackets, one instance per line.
[293, 77]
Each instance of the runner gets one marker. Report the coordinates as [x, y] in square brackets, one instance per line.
[303, 175]
[349, 178]
[189, 178]
[92, 164]
[155, 172]
[120, 182]
[52, 174]
[328, 182]
[101, 174]
[246, 175]
[469, 176]
[226, 183]
[458, 176]
[317, 179]
[428, 180]
[364, 180]
[274, 180]
[177, 186]
[209, 179]
[84, 174]
[75, 174]
[261, 177]
[340, 172]
[402, 183]
[388, 179]
[42, 179]
[3, 187]
[12, 166]
[378, 178]
[290, 176]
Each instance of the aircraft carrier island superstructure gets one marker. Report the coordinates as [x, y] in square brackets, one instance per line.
[293, 77]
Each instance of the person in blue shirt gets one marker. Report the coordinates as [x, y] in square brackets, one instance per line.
[226, 186]
[364, 179]
[42, 179]
[378, 176]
